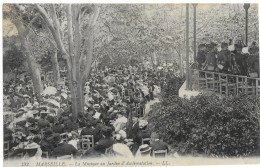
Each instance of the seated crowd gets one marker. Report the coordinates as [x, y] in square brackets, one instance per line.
[112, 123]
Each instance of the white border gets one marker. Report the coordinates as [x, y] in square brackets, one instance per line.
[94, 1]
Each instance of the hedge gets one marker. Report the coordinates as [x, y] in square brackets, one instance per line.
[207, 125]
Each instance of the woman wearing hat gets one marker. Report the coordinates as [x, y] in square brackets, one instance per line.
[33, 151]
[120, 149]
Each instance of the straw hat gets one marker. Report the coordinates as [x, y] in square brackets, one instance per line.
[32, 146]
[144, 148]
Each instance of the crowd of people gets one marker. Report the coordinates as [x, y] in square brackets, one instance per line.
[112, 123]
[229, 58]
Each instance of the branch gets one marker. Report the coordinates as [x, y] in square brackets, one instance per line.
[95, 16]
[70, 34]
[45, 38]
[55, 32]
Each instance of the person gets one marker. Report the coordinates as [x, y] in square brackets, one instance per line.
[43, 122]
[120, 149]
[253, 61]
[61, 148]
[156, 144]
[120, 121]
[142, 132]
[89, 130]
[224, 58]
[58, 128]
[74, 139]
[201, 58]
[135, 127]
[241, 60]
[211, 57]
[144, 151]
[105, 142]
[33, 151]
[46, 142]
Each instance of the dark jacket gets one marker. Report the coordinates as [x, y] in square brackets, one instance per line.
[159, 145]
[58, 128]
[103, 144]
[140, 135]
[64, 149]
[42, 123]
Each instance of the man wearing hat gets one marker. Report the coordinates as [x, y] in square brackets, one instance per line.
[61, 148]
[58, 128]
[90, 130]
[105, 142]
[43, 122]
[47, 143]
[211, 57]
[135, 127]
[241, 60]
[224, 58]
[142, 133]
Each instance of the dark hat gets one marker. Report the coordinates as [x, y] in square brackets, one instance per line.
[202, 45]
[42, 108]
[30, 120]
[48, 133]
[114, 91]
[224, 44]
[56, 137]
[238, 46]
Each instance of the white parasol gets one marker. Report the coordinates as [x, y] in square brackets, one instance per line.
[52, 102]
[50, 91]
[64, 95]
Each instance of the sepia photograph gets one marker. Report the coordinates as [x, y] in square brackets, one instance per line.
[137, 84]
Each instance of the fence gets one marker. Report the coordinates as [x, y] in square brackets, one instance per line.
[224, 84]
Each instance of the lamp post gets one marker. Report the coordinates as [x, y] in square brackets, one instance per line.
[194, 44]
[187, 48]
[246, 7]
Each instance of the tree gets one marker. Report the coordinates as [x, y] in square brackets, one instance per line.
[72, 28]
[13, 60]
[22, 20]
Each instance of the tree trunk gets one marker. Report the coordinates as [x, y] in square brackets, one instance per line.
[55, 68]
[35, 75]
[77, 95]
[33, 66]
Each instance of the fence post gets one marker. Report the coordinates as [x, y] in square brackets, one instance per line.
[237, 84]
[246, 85]
[226, 85]
[256, 86]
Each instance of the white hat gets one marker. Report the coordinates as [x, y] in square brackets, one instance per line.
[32, 146]
[142, 123]
[122, 133]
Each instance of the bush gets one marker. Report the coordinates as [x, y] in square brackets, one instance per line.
[207, 125]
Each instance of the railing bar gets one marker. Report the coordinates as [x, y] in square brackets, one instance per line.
[227, 85]
[236, 85]
[256, 87]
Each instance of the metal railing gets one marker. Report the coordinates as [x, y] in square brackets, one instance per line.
[224, 84]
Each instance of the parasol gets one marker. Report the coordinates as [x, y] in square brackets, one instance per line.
[50, 91]
[52, 102]
[64, 95]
